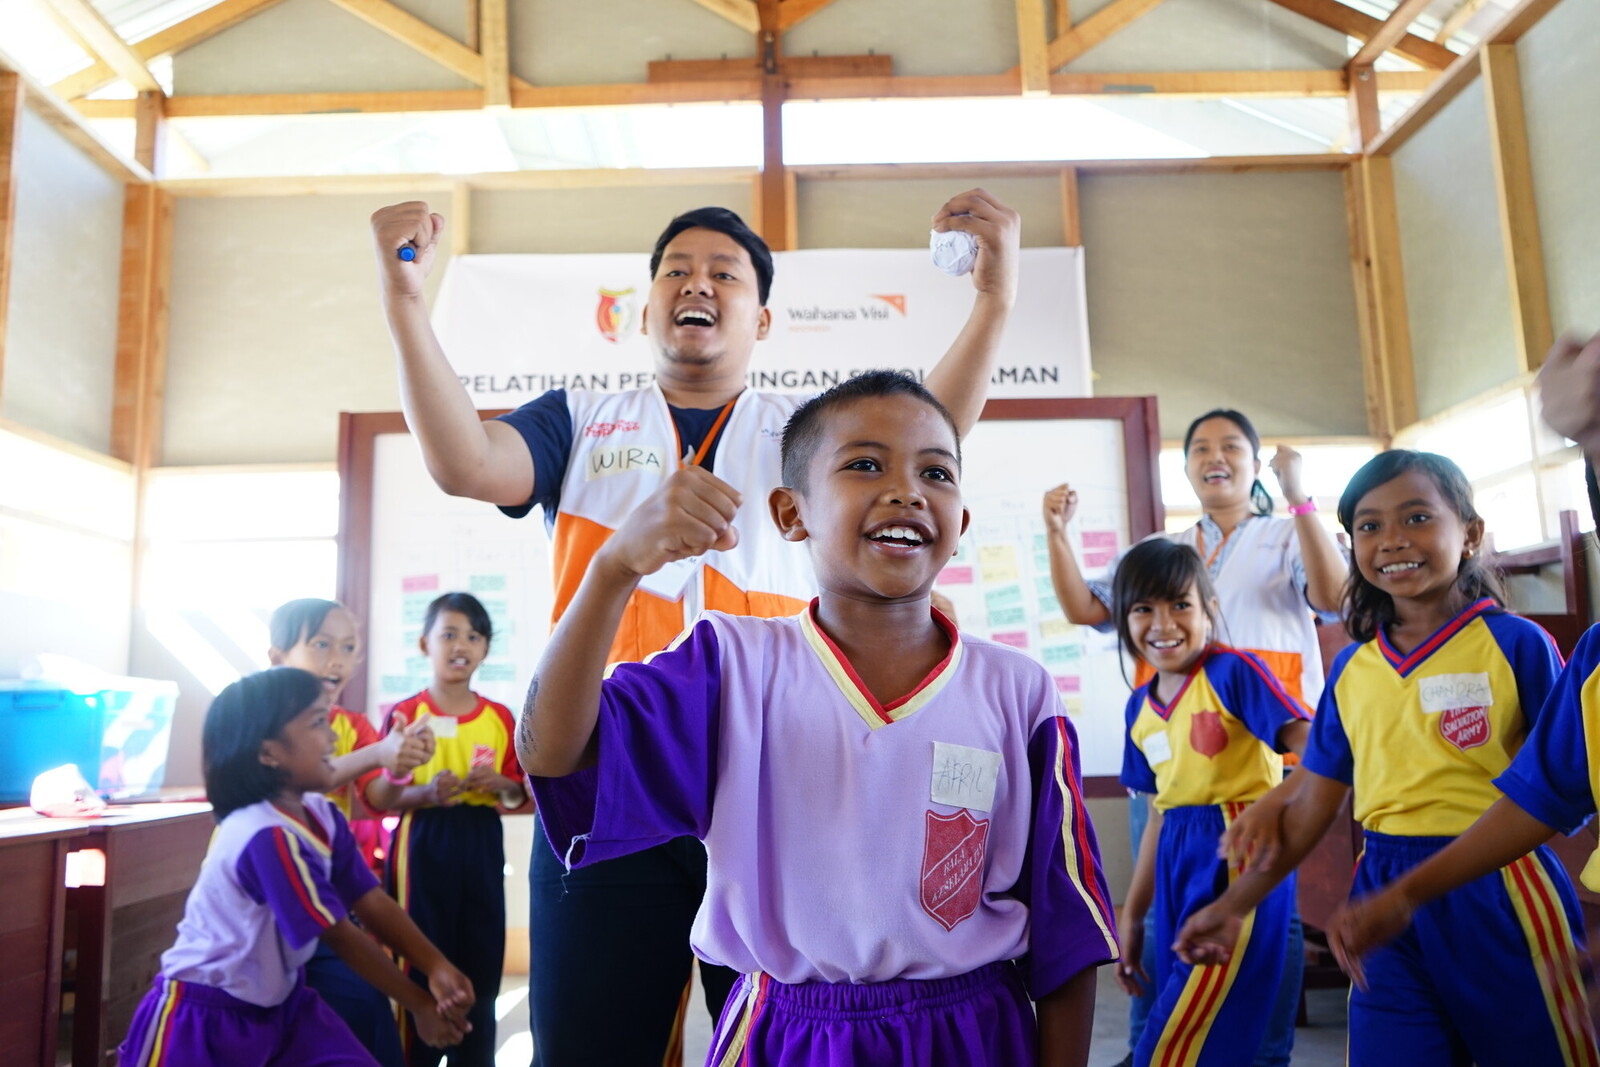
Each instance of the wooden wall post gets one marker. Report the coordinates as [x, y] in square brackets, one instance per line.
[10, 132]
[775, 200]
[1391, 324]
[140, 380]
[1071, 214]
[1519, 216]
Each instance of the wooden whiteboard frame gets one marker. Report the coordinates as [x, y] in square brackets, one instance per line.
[1141, 439]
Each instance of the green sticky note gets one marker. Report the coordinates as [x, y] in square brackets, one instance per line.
[497, 672]
[486, 583]
[1054, 654]
[1049, 605]
[1004, 596]
[1005, 617]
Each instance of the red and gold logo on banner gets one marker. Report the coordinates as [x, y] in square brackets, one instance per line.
[614, 315]
[952, 865]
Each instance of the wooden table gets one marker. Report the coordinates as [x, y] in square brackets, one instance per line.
[153, 854]
[33, 859]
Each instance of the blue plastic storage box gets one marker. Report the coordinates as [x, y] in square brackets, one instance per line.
[44, 727]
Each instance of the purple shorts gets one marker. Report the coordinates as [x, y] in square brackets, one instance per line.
[979, 1019]
[181, 1024]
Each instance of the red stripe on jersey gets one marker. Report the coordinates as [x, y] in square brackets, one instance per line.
[281, 843]
[1165, 710]
[1080, 823]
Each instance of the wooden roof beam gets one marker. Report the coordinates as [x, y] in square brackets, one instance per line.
[1352, 23]
[418, 35]
[84, 22]
[1396, 26]
[1110, 19]
[1033, 47]
[173, 39]
[1458, 18]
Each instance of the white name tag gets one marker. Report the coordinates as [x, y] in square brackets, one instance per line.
[964, 777]
[604, 462]
[1447, 692]
[1157, 749]
[442, 725]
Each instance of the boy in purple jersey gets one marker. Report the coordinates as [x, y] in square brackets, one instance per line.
[899, 850]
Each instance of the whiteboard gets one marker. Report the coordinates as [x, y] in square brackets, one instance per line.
[1000, 580]
[403, 542]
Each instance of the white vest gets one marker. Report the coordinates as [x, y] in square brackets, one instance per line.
[623, 446]
[1262, 608]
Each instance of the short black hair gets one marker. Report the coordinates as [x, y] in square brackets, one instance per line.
[298, 620]
[804, 429]
[1260, 499]
[254, 709]
[468, 605]
[726, 222]
[1159, 569]
[1368, 609]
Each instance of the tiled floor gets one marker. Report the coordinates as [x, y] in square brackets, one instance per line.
[1320, 1044]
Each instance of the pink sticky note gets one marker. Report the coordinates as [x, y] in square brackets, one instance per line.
[1069, 684]
[1016, 639]
[1099, 557]
[1100, 539]
[956, 576]
[421, 583]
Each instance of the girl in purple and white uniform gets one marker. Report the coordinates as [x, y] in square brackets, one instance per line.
[282, 873]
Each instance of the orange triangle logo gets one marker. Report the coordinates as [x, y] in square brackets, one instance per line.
[894, 300]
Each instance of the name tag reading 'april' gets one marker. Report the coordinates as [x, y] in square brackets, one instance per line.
[964, 777]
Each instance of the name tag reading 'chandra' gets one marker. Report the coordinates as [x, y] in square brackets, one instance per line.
[964, 777]
[1449, 692]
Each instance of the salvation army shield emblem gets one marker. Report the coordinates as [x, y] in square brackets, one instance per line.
[1465, 727]
[613, 316]
[952, 865]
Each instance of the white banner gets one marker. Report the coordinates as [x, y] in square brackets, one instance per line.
[516, 325]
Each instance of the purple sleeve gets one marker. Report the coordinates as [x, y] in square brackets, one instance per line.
[657, 732]
[279, 870]
[1550, 777]
[352, 879]
[545, 424]
[1070, 920]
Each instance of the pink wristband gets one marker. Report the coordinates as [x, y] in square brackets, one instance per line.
[1304, 509]
[407, 780]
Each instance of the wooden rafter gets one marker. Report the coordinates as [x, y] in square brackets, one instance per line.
[1063, 16]
[1033, 47]
[742, 13]
[1519, 215]
[418, 35]
[1197, 85]
[84, 21]
[1516, 22]
[793, 12]
[1349, 21]
[1396, 26]
[1464, 10]
[189, 32]
[1096, 28]
[494, 35]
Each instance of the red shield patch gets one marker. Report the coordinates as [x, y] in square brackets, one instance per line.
[1465, 727]
[1207, 735]
[952, 865]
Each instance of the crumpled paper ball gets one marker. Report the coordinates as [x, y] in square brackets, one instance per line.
[954, 251]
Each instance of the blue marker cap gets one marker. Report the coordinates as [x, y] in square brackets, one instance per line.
[407, 253]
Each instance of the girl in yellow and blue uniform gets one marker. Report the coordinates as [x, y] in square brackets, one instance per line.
[447, 860]
[1203, 737]
[1419, 718]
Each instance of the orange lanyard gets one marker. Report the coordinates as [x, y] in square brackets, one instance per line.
[711, 435]
[1200, 536]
